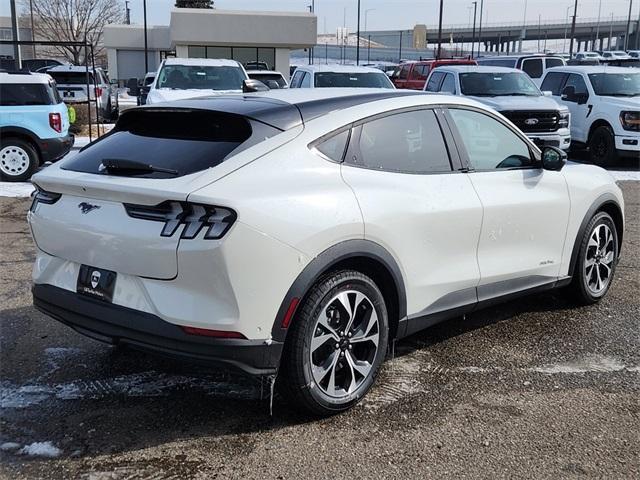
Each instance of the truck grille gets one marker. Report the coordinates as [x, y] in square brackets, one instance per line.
[534, 121]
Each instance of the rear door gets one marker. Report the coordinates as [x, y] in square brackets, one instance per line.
[400, 80]
[418, 77]
[525, 208]
[417, 204]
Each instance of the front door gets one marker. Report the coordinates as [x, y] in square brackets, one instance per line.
[525, 208]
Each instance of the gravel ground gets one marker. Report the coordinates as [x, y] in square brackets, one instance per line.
[535, 388]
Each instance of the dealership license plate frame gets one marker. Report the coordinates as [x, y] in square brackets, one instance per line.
[97, 283]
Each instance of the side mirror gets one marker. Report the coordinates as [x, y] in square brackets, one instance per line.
[569, 94]
[250, 85]
[133, 87]
[547, 93]
[553, 158]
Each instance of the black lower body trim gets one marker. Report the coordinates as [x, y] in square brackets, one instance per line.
[116, 324]
[53, 149]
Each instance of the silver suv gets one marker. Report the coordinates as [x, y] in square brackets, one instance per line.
[72, 86]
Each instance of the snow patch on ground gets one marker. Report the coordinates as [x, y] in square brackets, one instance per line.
[625, 175]
[15, 189]
[9, 446]
[587, 365]
[41, 449]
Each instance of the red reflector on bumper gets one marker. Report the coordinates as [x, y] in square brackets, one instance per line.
[205, 332]
[290, 311]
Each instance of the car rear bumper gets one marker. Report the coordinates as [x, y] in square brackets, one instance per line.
[53, 149]
[116, 324]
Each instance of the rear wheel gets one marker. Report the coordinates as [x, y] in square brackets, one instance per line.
[336, 344]
[18, 159]
[602, 146]
[597, 259]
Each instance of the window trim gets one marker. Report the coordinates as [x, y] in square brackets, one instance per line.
[354, 139]
[534, 151]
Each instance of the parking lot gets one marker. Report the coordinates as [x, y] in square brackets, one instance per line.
[533, 388]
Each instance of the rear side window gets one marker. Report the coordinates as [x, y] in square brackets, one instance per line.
[409, 142]
[433, 85]
[334, 146]
[533, 67]
[553, 83]
[186, 141]
[12, 94]
[71, 78]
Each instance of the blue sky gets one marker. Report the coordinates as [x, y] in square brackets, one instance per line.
[395, 14]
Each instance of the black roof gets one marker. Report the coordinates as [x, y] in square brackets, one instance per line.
[274, 111]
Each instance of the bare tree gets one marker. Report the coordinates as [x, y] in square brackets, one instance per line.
[73, 21]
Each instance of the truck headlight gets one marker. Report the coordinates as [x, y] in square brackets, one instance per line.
[630, 121]
[565, 118]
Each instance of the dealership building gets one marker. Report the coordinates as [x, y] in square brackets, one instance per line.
[245, 36]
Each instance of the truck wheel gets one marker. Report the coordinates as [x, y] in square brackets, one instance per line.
[602, 146]
[18, 159]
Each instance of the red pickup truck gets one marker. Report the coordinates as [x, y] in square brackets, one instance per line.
[413, 75]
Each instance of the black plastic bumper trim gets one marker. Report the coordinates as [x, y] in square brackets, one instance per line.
[117, 324]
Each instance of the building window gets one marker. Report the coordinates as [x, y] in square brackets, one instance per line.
[251, 57]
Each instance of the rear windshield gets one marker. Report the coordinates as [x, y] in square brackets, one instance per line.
[71, 78]
[186, 141]
[263, 77]
[362, 80]
[12, 94]
[187, 77]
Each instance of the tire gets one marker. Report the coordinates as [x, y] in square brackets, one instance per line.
[329, 376]
[18, 159]
[585, 285]
[602, 146]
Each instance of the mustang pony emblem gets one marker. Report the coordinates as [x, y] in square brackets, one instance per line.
[87, 207]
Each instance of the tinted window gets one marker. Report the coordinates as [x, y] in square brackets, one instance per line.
[349, 79]
[554, 62]
[186, 141]
[334, 147]
[449, 84]
[297, 77]
[553, 83]
[263, 77]
[489, 144]
[420, 72]
[71, 78]
[576, 81]
[433, 85]
[497, 62]
[533, 67]
[408, 142]
[306, 80]
[27, 94]
[492, 84]
[616, 84]
[404, 72]
[200, 77]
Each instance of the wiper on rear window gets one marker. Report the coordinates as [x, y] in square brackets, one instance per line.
[121, 165]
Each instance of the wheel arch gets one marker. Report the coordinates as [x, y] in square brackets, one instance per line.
[601, 122]
[22, 134]
[362, 255]
[608, 203]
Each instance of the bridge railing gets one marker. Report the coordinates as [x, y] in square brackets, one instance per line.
[532, 23]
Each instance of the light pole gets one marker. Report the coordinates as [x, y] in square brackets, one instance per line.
[366, 16]
[480, 27]
[523, 34]
[440, 31]
[473, 35]
[573, 28]
[610, 32]
[566, 27]
[146, 47]
[598, 25]
[626, 36]
[358, 37]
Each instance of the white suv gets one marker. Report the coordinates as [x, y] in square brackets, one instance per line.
[512, 93]
[297, 233]
[605, 108]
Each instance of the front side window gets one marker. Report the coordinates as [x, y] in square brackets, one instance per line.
[352, 79]
[497, 84]
[448, 84]
[200, 77]
[616, 84]
[532, 67]
[553, 83]
[576, 81]
[409, 142]
[554, 62]
[490, 145]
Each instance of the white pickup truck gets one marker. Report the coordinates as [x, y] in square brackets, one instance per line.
[512, 93]
[605, 108]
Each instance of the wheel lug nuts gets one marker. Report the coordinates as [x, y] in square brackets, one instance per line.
[350, 347]
[342, 354]
[337, 346]
[350, 334]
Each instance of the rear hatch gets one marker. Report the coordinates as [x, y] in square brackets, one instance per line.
[73, 85]
[109, 206]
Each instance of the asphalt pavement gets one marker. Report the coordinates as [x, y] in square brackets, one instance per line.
[535, 388]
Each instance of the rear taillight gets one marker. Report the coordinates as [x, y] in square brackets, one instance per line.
[55, 122]
[98, 91]
[216, 221]
[42, 196]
